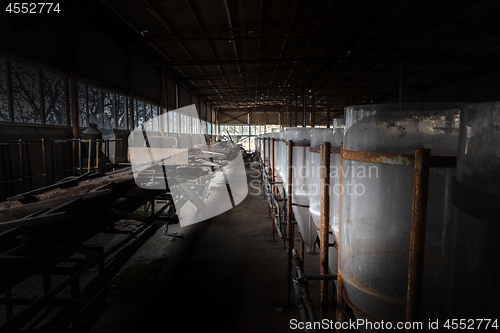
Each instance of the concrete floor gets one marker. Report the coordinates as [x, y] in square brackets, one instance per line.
[225, 275]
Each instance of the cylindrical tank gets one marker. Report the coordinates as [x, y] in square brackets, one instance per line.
[283, 158]
[475, 288]
[301, 138]
[265, 150]
[319, 136]
[377, 206]
[277, 165]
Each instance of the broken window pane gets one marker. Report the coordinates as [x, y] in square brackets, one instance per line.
[4, 100]
[54, 94]
[82, 104]
[109, 103]
[25, 93]
[121, 112]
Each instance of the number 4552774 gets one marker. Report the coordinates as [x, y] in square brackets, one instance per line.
[32, 8]
[471, 324]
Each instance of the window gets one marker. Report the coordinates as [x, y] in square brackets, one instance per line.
[185, 124]
[121, 112]
[139, 114]
[195, 126]
[148, 117]
[173, 122]
[94, 105]
[109, 107]
[4, 100]
[165, 118]
[26, 93]
[82, 104]
[54, 95]
[203, 127]
[154, 113]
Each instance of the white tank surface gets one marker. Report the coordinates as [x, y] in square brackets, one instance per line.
[475, 254]
[279, 152]
[300, 185]
[319, 136]
[377, 206]
[283, 157]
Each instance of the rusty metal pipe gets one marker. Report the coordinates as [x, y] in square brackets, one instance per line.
[273, 186]
[325, 219]
[289, 225]
[268, 156]
[417, 236]
[340, 283]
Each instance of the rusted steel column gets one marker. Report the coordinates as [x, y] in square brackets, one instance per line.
[417, 236]
[249, 129]
[271, 163]
[289, 226]
[324, 218]
[340, 282]
[268, 156]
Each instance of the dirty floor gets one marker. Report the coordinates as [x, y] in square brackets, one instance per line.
[224, 275]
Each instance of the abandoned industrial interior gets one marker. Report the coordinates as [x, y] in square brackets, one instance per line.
[249, 166]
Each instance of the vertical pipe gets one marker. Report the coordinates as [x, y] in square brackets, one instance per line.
[268, 157]
[272, 163]
[417, 236]
[328, 97]
[289, 226]
[304, 111]
[340, 282]
[218, 122]
[325, 219]
[80, 157]
[249, 128]
[90, 155]
[97, 148]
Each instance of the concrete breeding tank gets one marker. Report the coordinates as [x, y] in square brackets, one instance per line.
[376, 210]
[301, 138]
[476, 194]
